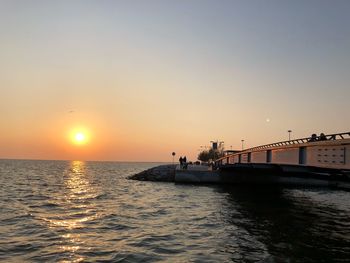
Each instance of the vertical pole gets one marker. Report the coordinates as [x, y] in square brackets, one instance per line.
[173, 154]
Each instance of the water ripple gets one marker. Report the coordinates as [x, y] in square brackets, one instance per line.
[57, 211]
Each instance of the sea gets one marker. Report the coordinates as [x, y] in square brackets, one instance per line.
[75, 211]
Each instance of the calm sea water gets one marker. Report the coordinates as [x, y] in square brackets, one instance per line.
[59, 211]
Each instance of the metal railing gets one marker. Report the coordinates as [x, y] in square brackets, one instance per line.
[335, 136]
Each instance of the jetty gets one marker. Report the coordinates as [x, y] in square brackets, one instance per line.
[173, 173]
[301, 162]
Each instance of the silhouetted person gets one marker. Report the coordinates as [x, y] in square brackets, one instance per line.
[181, 160]
[184, 162]
[313, 138]
[322, 137]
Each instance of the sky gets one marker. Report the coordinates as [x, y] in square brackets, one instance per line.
[143, 79]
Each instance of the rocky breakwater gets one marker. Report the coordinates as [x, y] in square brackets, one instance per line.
[162, 173]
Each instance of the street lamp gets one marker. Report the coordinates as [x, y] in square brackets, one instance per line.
[173, 154]
[289, 132]
[242, 144]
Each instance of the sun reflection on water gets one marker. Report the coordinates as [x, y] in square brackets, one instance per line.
[78, 208]
[78, 183]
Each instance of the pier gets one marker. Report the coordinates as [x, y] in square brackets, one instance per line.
[303, 162]
[333, 152]
[299, 162]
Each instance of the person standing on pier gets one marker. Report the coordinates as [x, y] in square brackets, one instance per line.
[322, 137]
[184, 160]
[181, 162]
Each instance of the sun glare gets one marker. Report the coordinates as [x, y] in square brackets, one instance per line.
[79, 137]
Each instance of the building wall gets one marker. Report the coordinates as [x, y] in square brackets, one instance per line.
[258, 157]
[244, 158]
[285, 156]
[331, 154]
[336, 156]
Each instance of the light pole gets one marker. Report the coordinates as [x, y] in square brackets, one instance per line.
[289, 132]
[173, 154]
[242, 144]
[214, 146]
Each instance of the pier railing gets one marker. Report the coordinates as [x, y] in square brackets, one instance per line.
[335, 136]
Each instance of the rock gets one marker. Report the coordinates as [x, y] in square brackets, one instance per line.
[162, 173]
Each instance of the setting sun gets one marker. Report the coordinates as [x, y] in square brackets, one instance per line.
[79, 136]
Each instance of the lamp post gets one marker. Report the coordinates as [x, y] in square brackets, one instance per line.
[214, 146]
[289, 132]
[242, 144]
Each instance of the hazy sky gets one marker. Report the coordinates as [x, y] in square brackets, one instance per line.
[145, 78]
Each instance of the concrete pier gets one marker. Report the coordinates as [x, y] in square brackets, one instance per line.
[197, 176]
[262, 174]
[173, 173]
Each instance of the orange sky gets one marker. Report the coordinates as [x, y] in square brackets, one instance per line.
[148, 79]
